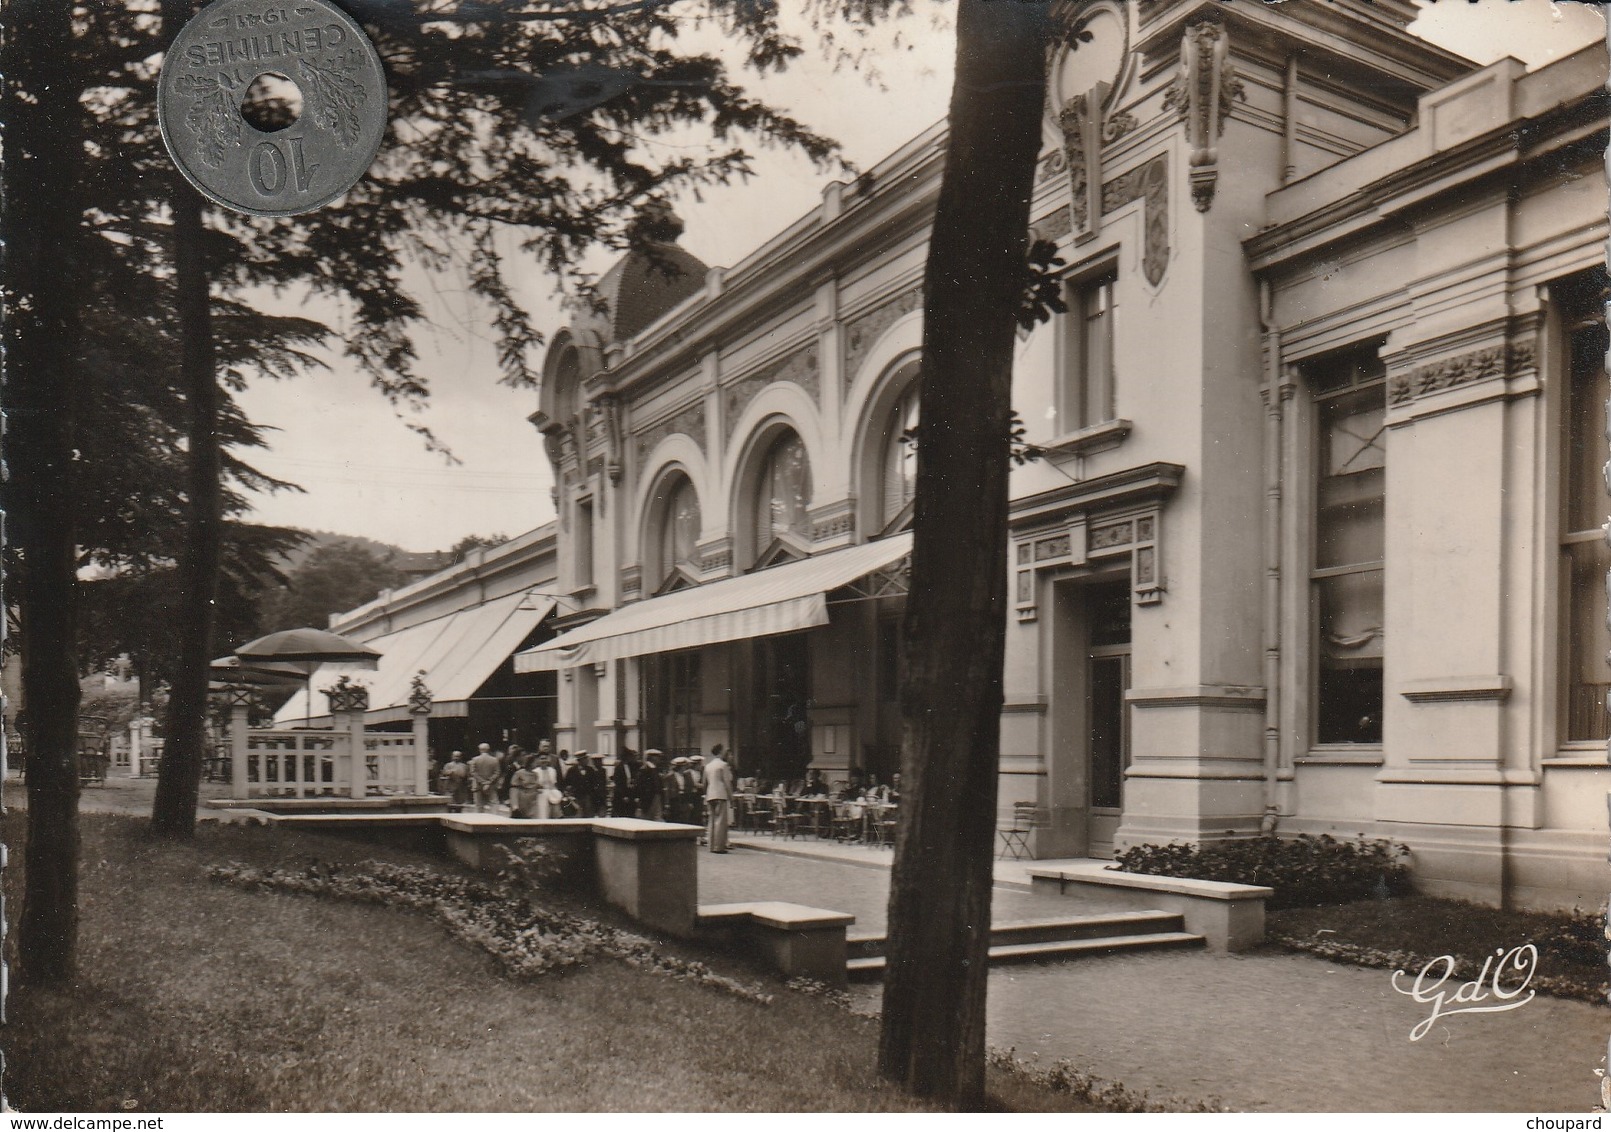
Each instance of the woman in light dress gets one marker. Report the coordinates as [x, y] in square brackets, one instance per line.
[525, 795]
[548, 796]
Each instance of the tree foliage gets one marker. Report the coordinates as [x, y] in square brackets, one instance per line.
[332, 579]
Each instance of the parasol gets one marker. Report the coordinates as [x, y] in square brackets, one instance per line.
[307, 648]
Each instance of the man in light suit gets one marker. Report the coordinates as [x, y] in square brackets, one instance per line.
[718, 799]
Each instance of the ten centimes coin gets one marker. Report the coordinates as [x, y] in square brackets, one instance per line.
[213, 64]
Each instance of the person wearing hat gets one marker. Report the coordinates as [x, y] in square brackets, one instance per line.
[651, 788]
[678, 786]
[585, 783]
[624, 783]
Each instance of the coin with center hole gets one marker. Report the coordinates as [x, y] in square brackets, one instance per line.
[272, 109]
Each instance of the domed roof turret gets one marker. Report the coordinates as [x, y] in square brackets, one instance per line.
[649, 280]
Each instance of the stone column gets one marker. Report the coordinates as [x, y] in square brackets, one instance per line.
[240, 699]
[136, 742]
[348, 702]
[419, 706]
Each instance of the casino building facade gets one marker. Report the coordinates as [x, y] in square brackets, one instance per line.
[1316, 541]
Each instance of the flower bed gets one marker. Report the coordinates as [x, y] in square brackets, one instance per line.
[1406, 934]
[526, 939]
[1304, 871]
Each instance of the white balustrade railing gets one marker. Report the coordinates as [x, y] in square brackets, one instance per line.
[297, 763]
[389, 757]
[304, 764]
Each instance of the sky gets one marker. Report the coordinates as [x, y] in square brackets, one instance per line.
[365, 473]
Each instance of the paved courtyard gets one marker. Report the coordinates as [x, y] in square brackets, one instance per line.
[1266, 1030]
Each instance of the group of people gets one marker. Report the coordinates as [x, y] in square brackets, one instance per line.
[542, 784]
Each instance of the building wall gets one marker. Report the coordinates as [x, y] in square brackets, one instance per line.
[1369, 195]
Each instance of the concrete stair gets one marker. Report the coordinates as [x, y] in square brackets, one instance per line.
[1028, 941]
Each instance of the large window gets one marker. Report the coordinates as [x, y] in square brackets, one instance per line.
[671, 693]
[898, 467]
[584, 543]
[679, 529]
[1582, 541]
[1350, 536]
[1087, 395]
[783, 494]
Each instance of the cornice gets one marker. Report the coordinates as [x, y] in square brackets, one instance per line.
[786, 270]
[1514, 147]
[1146, 483]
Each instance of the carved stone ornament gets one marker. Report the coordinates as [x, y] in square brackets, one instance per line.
[1462, 369]
[1203, 93]
[1072, 120]
[1150, 183]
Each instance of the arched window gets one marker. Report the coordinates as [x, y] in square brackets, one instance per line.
[897, 468]
[783, 494]
[679, 528]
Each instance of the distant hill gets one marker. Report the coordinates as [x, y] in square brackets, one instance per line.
[415, 563]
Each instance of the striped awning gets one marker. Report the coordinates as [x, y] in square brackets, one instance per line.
[780, 599]
[457, 653]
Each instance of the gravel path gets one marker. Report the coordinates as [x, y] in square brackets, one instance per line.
[1260, 1031]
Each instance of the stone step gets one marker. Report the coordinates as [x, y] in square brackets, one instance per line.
[866, 944]
[870, 967]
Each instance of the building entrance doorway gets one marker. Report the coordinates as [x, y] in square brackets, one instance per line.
[1107, 715]
[1090, 718]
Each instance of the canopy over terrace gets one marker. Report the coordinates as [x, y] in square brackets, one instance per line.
[457, 653]
[781, 599]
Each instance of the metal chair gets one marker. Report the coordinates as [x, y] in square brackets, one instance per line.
[1015, 837]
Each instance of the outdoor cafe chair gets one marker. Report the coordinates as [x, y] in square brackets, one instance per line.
[764, 814]
[847, 821]
[789, 818]
[1015, 837]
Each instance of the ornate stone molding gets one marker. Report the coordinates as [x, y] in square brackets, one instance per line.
[862, 331]
[1082, 154]
[631, 581]
[1204, 93]
[690, 422]
[1462, 369]
[800, 368]
[1456, 689]
[1090, 536]
[1150, 183]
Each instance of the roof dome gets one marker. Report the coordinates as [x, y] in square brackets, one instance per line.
[648, 281]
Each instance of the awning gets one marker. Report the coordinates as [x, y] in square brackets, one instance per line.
[458, 652]
[782, 599]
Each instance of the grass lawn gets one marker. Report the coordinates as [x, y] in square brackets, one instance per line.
[1427, 927]
[196, 996]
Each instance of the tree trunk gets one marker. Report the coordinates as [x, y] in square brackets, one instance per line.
[933, 1037]
[179, 773]
[42, 261]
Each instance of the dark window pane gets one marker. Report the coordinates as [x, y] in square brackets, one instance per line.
[1109, 606]
[1588, 640]
[1107, 731]
[1586, 444]
[1348, 700]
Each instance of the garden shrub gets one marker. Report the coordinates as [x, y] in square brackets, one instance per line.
[526, 938]
[1304, 871]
